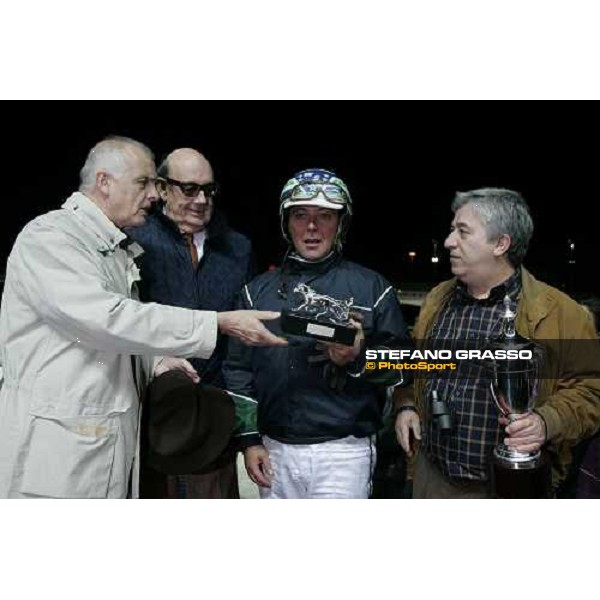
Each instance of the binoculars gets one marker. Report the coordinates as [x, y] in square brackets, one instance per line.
[440, 413]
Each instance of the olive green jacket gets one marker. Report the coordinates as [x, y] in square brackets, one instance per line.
[569, 394]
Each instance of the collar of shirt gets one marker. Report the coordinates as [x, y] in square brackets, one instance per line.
[294, 263]
[199, 239]
[109, 235]
[510, 287]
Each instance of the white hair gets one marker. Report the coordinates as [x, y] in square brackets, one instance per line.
[110, 155]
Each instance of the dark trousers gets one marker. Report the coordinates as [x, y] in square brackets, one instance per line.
[430, 482]
[220, 483]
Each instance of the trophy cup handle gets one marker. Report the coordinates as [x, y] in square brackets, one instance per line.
[495, 397]
[502, 410]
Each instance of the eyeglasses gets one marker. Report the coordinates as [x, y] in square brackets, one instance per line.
[308, 191]
[191, 190]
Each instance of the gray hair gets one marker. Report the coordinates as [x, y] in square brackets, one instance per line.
[502, 212]
[109, 155]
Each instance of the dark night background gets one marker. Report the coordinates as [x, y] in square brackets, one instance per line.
[402, 161]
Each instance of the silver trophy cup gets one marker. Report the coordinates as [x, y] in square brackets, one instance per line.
[514, 388]
[514, 384]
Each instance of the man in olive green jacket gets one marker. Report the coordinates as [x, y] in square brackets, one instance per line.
[488, 240]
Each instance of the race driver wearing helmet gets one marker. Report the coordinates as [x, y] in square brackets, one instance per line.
[318, 407]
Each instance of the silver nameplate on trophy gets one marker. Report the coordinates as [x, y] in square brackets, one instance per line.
[314, 329]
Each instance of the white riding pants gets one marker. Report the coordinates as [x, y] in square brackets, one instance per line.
[338, 469]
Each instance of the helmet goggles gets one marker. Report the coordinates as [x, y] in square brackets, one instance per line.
[310, 191]
[316, 187]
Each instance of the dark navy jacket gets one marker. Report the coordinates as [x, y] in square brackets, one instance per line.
[302, 397]
[168, 276]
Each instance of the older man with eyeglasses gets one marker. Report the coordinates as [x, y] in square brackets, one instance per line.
[193, 259]
[77, 346]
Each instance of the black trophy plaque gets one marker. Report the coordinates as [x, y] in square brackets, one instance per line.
[521, 480]
[319, 317]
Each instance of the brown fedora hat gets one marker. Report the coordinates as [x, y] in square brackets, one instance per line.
[189, 425]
